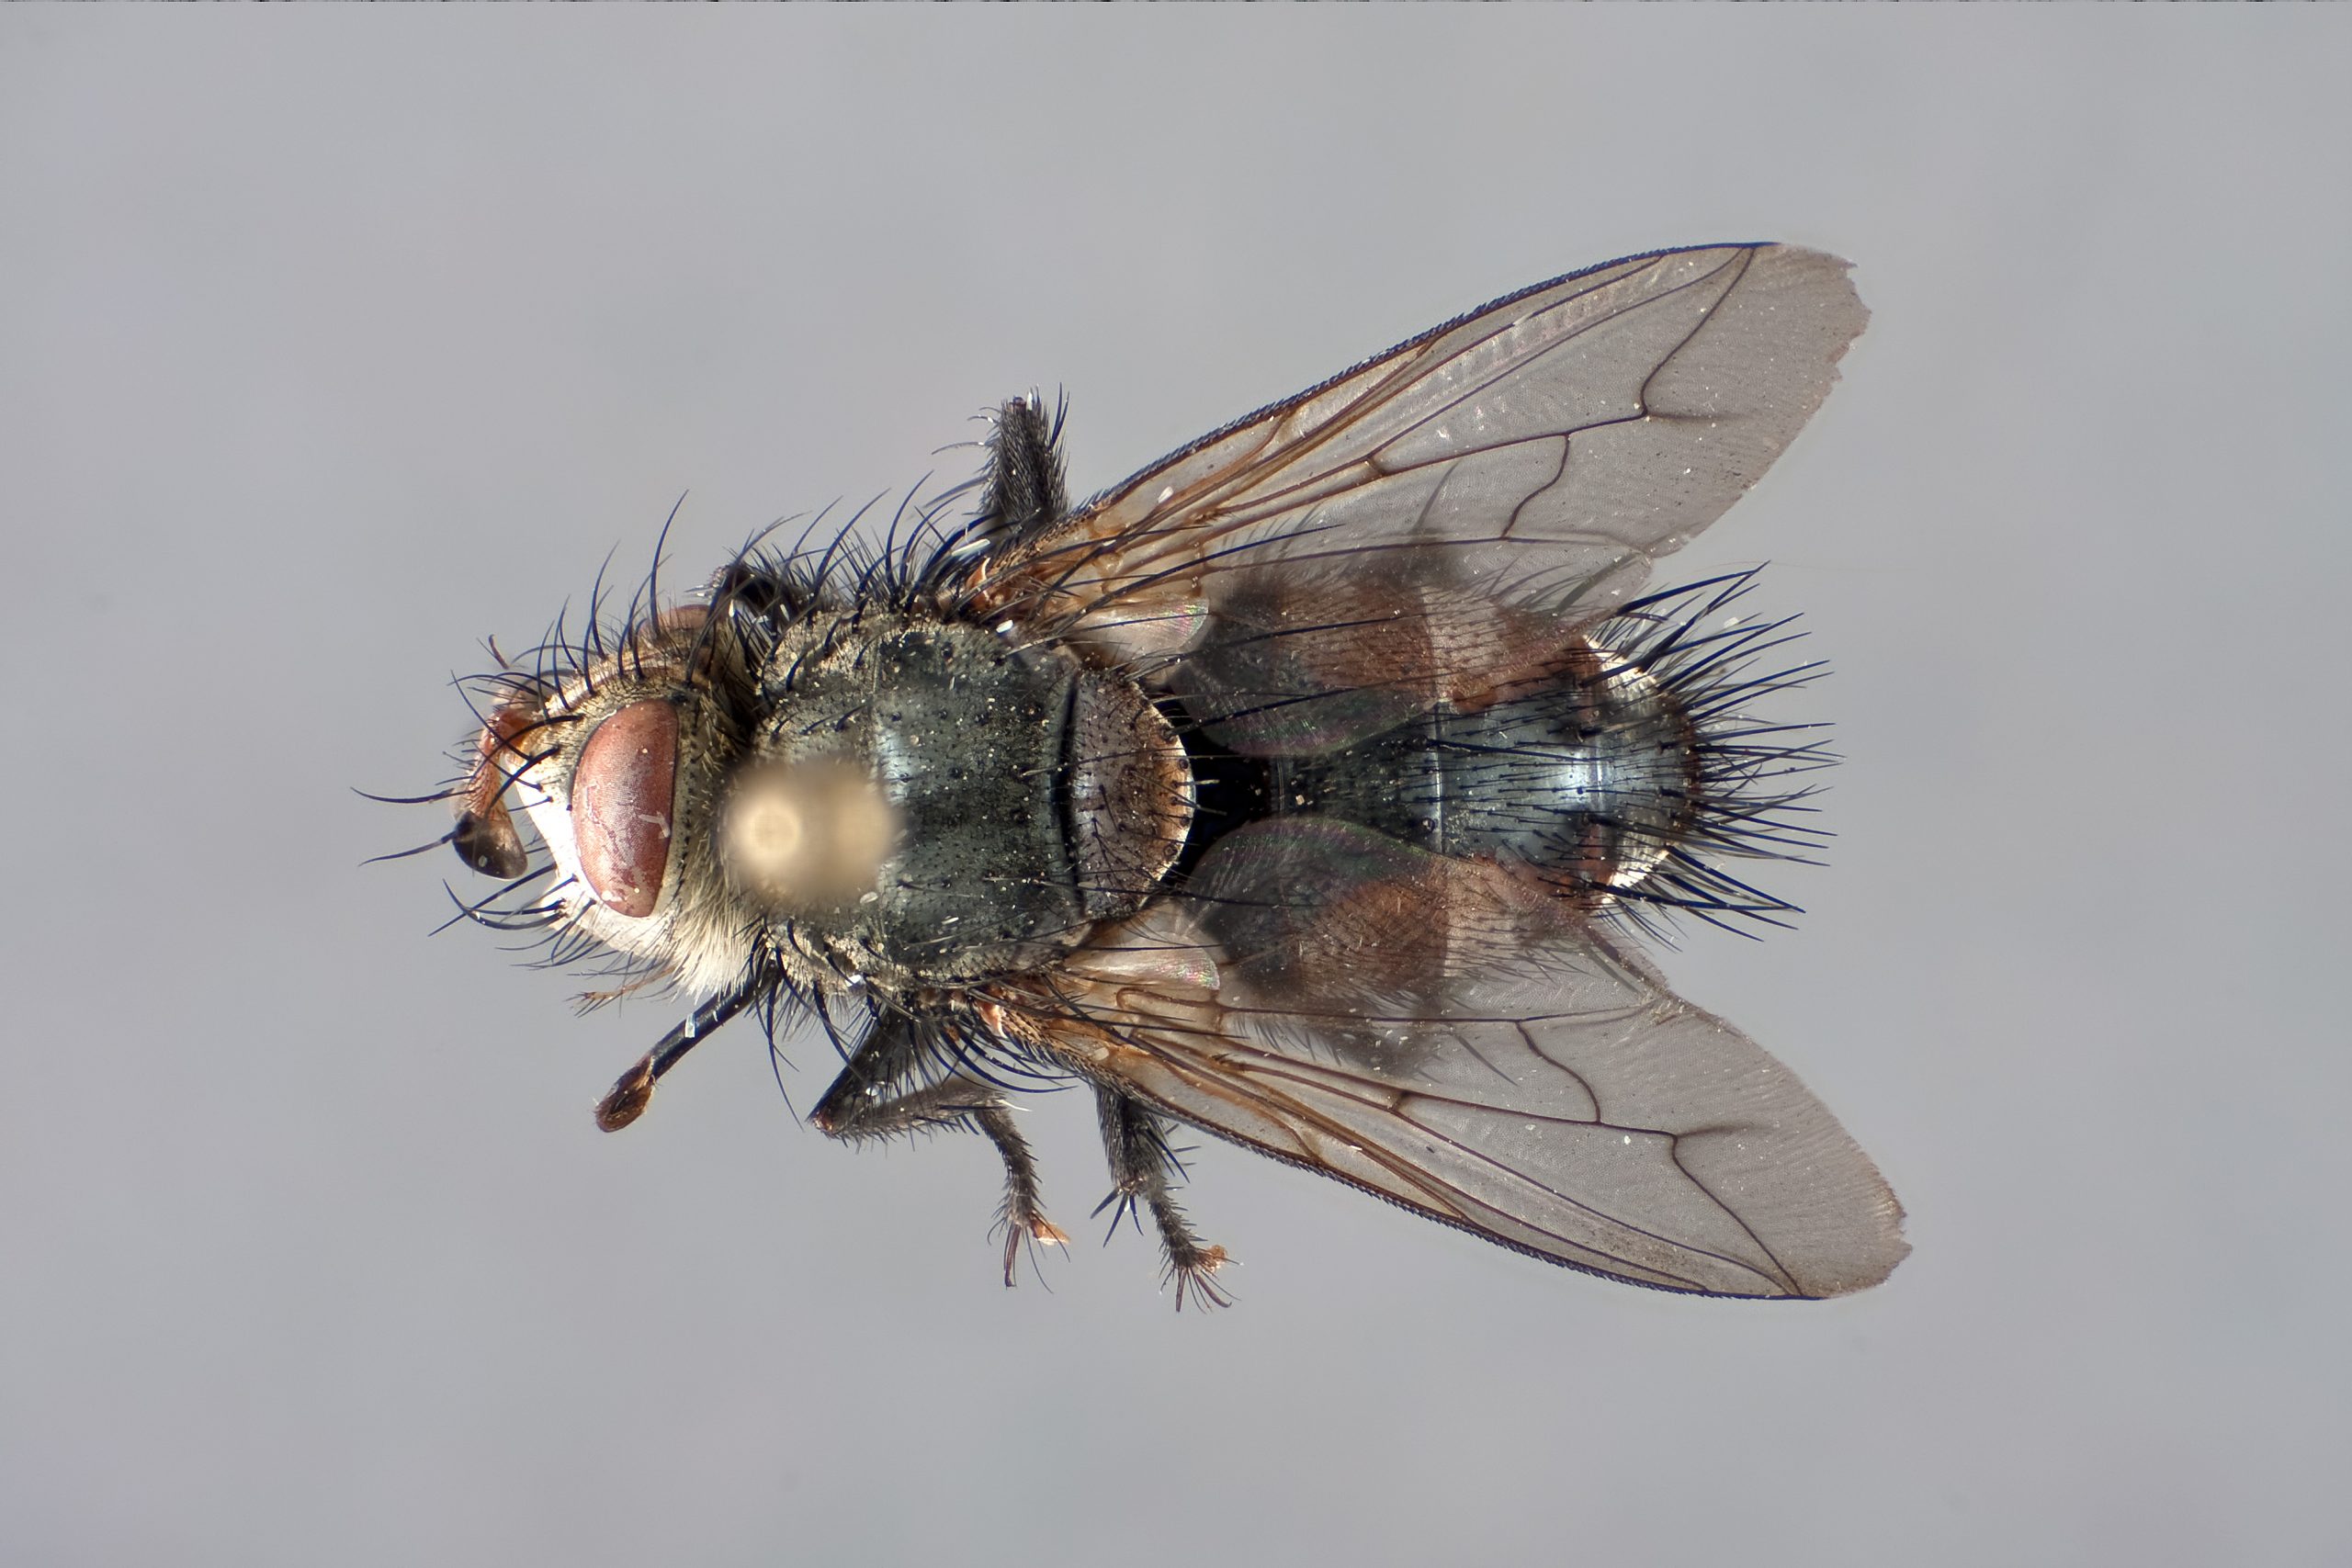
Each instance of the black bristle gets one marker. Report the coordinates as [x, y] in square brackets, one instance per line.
[1740, 807]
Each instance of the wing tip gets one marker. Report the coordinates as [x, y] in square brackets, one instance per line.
[1820, 283]
[1872, 1260]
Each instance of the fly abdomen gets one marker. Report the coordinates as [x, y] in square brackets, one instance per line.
[1590, 777]
[1626, 776]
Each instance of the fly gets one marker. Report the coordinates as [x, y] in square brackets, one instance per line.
[1312, 788]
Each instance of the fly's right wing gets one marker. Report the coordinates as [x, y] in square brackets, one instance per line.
[1450, 1036]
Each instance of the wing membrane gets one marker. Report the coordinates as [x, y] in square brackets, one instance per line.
[1564, 1103]
[1456, 1034]
[1548, 446]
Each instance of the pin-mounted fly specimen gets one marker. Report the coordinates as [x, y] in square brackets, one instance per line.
[1311, 788]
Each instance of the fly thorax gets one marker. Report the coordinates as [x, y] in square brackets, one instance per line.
[929, 802]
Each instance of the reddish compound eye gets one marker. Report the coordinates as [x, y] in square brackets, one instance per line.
[621, 797]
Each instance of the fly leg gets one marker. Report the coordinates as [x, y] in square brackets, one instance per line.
[880, 1094]
[1134, 1140]
[1024, 470]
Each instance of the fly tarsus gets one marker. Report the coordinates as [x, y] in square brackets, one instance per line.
[1143, 1170]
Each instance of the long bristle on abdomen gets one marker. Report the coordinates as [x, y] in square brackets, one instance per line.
[1747, 800]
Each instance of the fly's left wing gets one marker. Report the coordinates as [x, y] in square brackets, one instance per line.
[1545, 447]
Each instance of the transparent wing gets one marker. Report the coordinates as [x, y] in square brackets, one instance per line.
[1545, 447]
[1461, 1043]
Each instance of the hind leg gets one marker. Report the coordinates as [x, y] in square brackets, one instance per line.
[1142, 1170]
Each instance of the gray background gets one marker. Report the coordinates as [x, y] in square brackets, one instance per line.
[330, 343]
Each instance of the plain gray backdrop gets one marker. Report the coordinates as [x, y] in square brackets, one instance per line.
[333, 342]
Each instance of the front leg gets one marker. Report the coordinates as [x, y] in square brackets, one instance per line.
[881, 1094]
[1134, 1141]
[1025, 492]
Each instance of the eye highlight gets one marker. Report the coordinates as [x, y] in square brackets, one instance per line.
[623, 792]
[808, 837]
